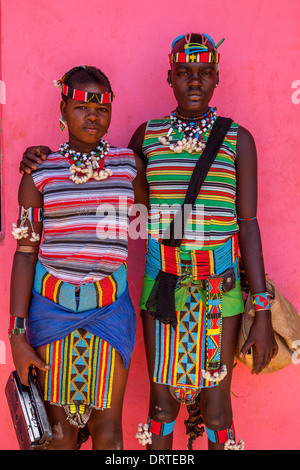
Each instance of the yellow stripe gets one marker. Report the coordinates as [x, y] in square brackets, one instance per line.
[198, 347]
[100, 294]
[114, 288]
[211, 262]
[103, 358]
[56, 290]
[178, 262]
[167, 355]
[44, 284]
[47, 372]
[213, 332]
[162, 254]
[70, 362]
[176, 352]
[90, 368]
[55, 369]
[113, 355]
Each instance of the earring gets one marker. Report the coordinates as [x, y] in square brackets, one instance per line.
[170, 84]
[62, 124]
[216, 85]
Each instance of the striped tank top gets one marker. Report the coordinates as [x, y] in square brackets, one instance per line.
[213, 217]
[85, 225]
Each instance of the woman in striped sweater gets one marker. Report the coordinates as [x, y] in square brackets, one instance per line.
[191, 296]
[71, 316]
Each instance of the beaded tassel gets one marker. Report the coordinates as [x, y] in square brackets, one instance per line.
[21, 231]
[144, 435]
[232, 445]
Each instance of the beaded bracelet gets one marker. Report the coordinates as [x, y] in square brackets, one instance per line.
[261, 301]
[16, 325]
[251, 218]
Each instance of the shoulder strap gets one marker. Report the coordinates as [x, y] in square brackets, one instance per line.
[214, 142]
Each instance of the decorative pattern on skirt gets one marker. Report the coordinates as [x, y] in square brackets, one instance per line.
[188, 357]
[81, 375]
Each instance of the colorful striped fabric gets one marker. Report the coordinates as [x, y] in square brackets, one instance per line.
[213, 220]
[34, 214]
[203, 263]
[88, 296]
[82, 368]
[85, 225]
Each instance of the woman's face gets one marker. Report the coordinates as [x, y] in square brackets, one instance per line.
[193, 86]
[87, 122]
[193, 83]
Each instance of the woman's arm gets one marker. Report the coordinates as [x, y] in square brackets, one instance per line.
[261, 336]
[22, 278]
[33, 156]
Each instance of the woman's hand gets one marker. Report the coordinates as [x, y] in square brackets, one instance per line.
[25, 356]
[33, 156]
[261, 339]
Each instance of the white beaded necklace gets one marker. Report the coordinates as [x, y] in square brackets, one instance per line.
[86, 166]
[191, 132]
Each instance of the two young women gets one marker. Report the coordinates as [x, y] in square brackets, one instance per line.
[190, 340]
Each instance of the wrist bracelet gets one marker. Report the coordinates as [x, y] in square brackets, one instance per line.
[261, 301]
[16, 325]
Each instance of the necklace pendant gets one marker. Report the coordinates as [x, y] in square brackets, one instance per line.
[86, 166]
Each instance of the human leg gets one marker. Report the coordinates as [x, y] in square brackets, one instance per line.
[163, 408]
[216, 401]
[105, 426]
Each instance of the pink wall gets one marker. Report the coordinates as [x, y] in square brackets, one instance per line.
[130, 41]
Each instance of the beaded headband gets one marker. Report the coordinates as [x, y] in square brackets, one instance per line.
[86, 96]
[196, 52]
[79, 95]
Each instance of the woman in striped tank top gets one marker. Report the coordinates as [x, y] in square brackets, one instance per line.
[71, 315]
[191, 296]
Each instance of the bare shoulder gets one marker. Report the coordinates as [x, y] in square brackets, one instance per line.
[245, 140]
[136, 141]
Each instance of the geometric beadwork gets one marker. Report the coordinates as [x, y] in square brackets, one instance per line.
[81, 373]
[181, 352]
[213, 323]
[261, 301]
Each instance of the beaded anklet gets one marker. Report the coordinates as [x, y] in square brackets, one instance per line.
[261, 301]
[226, 437]
[16, 325]
[145, 432]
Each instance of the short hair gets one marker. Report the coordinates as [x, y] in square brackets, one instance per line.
[84, 74]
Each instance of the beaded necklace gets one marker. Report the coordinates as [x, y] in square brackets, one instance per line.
[86, 166]
[191, 132]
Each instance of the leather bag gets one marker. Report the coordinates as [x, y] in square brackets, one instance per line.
[286, 326]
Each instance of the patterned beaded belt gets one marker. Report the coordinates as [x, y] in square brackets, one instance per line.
[79, 298]
[204, 264]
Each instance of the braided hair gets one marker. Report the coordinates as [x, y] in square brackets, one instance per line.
[84, 74]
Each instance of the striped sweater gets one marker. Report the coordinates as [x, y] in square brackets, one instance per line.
[85, 225]
[213, 218]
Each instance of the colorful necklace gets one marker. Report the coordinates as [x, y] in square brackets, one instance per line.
[86, 166]
[191, 132]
